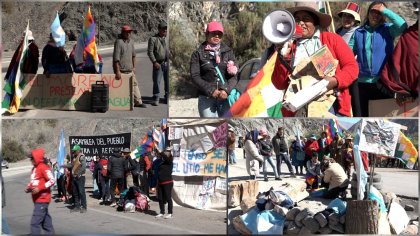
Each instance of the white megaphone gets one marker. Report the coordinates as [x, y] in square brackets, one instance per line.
[279, 26]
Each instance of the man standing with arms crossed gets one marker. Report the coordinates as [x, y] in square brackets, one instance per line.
[78, 165]
[158, 55]
[282, 152]
[124, 61]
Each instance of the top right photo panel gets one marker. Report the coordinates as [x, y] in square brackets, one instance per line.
[293, 59]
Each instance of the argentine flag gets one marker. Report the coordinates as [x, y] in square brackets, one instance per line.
[57, 32]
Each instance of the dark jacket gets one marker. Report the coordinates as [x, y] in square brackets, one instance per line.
[204, 74]
[116, 166]
[132, 166]
[165, 172]
[265, 147]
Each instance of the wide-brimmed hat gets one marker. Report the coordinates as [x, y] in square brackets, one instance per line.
[352, 9]
[214, 26]
[126, 28]
[324, 19]
[349, 137]
[126, 150]
[76, 148]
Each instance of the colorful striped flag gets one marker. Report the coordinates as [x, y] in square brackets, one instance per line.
[11, 101]
[406, 151]
[57, 32]
[146, 146]
[86, 51]
[261, 98]
[332, 130]
[61, 153]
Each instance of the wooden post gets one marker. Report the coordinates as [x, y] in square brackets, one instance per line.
[362, 217]
[332, 18]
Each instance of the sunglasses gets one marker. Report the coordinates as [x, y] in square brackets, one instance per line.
[216, 33]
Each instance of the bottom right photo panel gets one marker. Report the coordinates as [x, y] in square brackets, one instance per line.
[323, 176]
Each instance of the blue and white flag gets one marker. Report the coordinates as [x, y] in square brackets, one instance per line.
[57, 32]
[61, 153]
[362, 177]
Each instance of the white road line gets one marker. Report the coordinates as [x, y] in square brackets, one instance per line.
[156, 224]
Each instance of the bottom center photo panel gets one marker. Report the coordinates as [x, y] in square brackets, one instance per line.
[115, 176]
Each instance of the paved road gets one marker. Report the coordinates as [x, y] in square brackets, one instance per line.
[400, 181]
[104, 219]
[144, 79]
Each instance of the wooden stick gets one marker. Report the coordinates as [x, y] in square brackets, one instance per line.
[330, 13]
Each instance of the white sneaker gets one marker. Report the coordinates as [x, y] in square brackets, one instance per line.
[159, 216]
[167, 216]
[101, 200]
[113, 204]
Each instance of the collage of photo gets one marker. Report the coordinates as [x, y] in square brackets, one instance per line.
[209, 117]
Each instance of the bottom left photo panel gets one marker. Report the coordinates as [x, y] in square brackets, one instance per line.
[114, 176]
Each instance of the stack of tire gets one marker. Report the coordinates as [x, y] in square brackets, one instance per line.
[376, 182]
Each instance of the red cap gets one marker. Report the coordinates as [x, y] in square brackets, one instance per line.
[214, 26]
[126, 28]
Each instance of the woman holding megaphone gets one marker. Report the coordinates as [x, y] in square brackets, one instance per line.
[313, 36]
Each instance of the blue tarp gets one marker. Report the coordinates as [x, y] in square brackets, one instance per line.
[263, 222]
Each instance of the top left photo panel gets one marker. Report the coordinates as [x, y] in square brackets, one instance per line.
[84, 59]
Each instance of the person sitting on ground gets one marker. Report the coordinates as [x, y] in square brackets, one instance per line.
[335, 179]
[314, 172]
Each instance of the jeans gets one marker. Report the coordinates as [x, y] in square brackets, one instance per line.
[144, 182]
[41, 219]
[279, 159]
[232, 156]
[114, 183]
[4, 226]
[105, 188]
[269, 159]
[158, 74]
[165, 195]
[211, 107]
[79, 193]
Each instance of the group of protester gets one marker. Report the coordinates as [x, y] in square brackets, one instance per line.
[327, 163]
[55, 60]
[118, 172]
[369, 68]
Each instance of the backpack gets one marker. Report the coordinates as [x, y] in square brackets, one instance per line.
[104, 169]
[142, 202]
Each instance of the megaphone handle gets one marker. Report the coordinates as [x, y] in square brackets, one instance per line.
[284, 63]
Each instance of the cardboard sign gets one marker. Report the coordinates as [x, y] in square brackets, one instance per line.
[389, 108]
[196, 163]
[73, 91]
[175, 133]
[219, 135]
[379, 137]
[100, 145]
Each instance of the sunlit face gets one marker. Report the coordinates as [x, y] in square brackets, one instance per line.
[280, 132]
[347, 20]
[214, 37]
[307, 22]
[375, 18]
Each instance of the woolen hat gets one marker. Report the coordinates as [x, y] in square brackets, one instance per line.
[352, 9]
[162, 24]
[76, 148]
[214, 26]
[324, 19]
[126, 28]
[126, 150]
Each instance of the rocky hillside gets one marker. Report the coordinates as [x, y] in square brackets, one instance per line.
[144, 17]
[21, 136]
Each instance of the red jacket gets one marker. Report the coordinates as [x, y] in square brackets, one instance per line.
[308, 147]
[41, 178]
[347, 71]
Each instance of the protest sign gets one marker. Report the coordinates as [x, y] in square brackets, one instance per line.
[195, 162]
[175, 133]
[73, 91]
[219, 135]
[390, 108]
[379, 137]
[100, 145]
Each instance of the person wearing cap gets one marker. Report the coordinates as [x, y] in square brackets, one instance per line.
[157, 50]
[350, 20]
[314, 26]
[78, 172]
[281, 149]
[373, 44]
[400, 75]
[311, 146]
[42, 179]
[132, 169]
[124, 61]
[231, 140]
[266, 150]
[116, 169]
[54, 59]
[252, 154]
[213, 70]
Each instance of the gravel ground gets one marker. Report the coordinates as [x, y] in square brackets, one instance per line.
[183, 108]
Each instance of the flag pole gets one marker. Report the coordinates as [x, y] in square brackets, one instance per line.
[330, 13]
